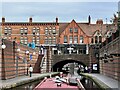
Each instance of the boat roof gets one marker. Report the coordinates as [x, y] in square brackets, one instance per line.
[51, 84]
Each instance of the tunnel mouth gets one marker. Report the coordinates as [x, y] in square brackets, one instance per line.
[57, 67]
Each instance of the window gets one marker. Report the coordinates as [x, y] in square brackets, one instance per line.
[21, 40]
[70, 38]
[46, 41]
[54, 40]
[46, 30]
[70, 30]
[50, 40]
[25, 40]
[100, 39]
[9, 31]
[65, 39]
[6, 31]
[33, 39]
[50, 31]
[34, 30]
[75, 39]
[81, 39]
[96, 39]
[54, 31]
[92, 40]
[76, 30]
[26, 30]
[38, 29]
[37, 40]
[21, 31]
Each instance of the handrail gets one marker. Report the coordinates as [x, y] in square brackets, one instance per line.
[42, 61]
[80, 85]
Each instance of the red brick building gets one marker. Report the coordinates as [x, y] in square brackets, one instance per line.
[54, 33]
[57, 32]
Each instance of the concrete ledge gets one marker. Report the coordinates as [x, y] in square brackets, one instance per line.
[99, 83]
[24, 80]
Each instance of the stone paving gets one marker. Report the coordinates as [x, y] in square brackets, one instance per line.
[112, 83]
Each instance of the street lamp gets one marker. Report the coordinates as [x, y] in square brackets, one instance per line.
[3, 61]
[27, 53]
[18, 49]
[3, 45]
[34, 53]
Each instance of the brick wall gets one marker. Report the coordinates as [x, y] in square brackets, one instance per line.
[0, 58]
[15, 27]
[111, 68]
[15, 63]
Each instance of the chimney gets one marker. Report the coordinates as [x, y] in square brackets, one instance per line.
[56, 19]
[89, 19]
[99, 21]
[30, 20]
[3, 20]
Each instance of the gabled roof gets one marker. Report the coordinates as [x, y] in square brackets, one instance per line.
[63, 26]
[89, 29]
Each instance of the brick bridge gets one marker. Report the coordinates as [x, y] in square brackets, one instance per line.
[58, 61]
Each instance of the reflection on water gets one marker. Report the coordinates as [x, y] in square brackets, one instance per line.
[89, 85]
[28, 86]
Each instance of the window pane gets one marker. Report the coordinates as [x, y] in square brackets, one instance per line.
[81, 39]
[100, 39]
[70, 38]
[46, 31]
[65, 39]
[21, 39]
[9, 31]
[75, 39]
[70, 30]
[54, 31]
[92, 40]
[76, 30]
[96, 39]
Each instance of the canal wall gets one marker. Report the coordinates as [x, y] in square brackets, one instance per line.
[14, 60]
[110, 59]
[99, 83]
[0, 58]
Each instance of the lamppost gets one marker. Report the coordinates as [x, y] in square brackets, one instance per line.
[3, 62]
[27, 53]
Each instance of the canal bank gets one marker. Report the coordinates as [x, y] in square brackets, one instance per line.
[11, 83]
[103, 82]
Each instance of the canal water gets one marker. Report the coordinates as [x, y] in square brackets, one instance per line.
[28, 86]
[87, 83]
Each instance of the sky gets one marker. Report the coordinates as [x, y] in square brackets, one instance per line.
[47, 11]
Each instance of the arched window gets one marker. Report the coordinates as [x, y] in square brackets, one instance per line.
[92, 40]
[100, 39]
[96, 39]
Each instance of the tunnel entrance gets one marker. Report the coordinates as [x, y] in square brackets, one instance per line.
[67, 66]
